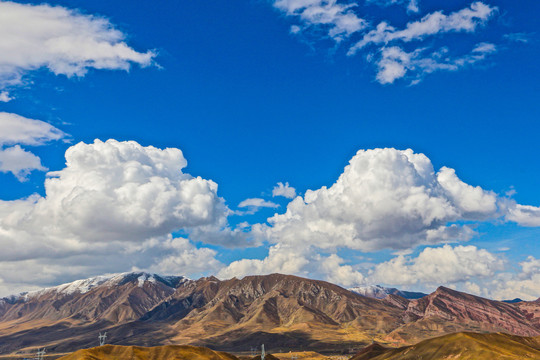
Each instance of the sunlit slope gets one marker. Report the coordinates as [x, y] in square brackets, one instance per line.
[462, 346]
[301, 355]
[169, 352]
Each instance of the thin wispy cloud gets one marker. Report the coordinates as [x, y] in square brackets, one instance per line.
[338, 20]
[383, 44]
[61, 40]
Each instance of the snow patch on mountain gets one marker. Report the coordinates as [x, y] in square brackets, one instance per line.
[85, 285]
[380, 292]
[146, 277]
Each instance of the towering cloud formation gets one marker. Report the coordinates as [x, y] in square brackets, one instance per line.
[116, 191]
[112, 198]
[385, 198]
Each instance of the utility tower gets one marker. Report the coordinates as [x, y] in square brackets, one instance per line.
[102, 338]
[40, 354]
[262, 352]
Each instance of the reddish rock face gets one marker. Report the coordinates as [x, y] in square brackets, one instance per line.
[446, 311]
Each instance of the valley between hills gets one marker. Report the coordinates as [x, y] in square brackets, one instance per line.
[148, 316]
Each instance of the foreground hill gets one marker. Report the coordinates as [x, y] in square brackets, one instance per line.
[281, 311]
[115, 352]
[463, 346]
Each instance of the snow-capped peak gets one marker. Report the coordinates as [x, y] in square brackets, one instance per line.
[372, 291]
[85, 285]
[380, 292]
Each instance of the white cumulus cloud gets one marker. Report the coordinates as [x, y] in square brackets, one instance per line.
[524, 284]
[113, 208]
[385, 198]
[436, 266]
[284, 190]
[109, 192]
[61, 40]
[19, 162]
[5, 97]
[525, 215]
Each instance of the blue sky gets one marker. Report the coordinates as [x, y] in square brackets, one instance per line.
[258, 92]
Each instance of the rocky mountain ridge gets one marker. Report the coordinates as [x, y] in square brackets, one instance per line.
[282, 310]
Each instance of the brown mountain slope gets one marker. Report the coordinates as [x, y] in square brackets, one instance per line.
[283, 312]
[463, 346]
[277, 309]
[77, 311]
[119, 298]
[115, 352]
[448, 311]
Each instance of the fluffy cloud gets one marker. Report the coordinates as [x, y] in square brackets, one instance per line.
[109, 192]
[5, 97]
[524, 215]
[385, 198]
[298, 260]
[524, 285]
[281, 258]
[437, 266]
[284, 190]
[182, 257]
[113, 208]
[19, 162]
[338, 20]
[16, 129]
[164, 255]
[61, 40]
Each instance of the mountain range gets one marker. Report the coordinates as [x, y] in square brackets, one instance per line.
[282, 311]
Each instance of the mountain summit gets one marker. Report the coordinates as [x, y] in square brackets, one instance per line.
[380, 292]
